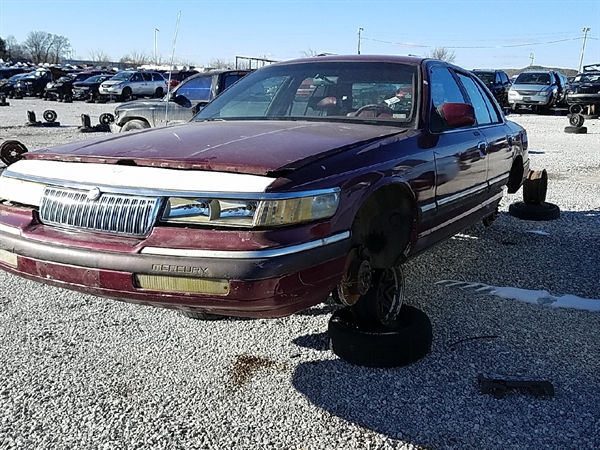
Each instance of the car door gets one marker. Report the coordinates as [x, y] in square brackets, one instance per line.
[491, 125]
[460, 153]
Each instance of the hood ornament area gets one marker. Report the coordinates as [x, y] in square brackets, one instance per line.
[94, 194]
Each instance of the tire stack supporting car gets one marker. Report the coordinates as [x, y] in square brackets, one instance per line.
[534, 205]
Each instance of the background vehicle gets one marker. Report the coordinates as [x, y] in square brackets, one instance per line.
[88, 88]
[129, 84]
[180, 105]
[540, 90]
[7, 87]
[177, 76]
[584, 91]
[497, 82]
[34, 83]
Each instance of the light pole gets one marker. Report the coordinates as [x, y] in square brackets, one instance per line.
[156, 30]
[359, 30]
[585, 32]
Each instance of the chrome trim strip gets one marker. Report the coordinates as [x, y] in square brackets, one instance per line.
[245, 254]
[461, 216]
[146, 192]
[474, 190]
[10, 230]
[499, 179]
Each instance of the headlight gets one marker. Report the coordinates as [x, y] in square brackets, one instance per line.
[118, 85]
[251, 213]
[544, 93]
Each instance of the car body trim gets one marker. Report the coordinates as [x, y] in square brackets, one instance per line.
[462, 216]
[246, 254]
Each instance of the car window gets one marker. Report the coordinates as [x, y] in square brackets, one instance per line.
[230, 79]
[196, 89]
[443, 87]
[533, 78]
[157, 77]
[484, 110]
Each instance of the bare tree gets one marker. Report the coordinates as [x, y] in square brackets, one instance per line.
[443, 54]
[3, 53]
[217, 63]
[13, 49]
[38, 45]
[99, 57]
[135, 59]
[308, 53]
[61, 47]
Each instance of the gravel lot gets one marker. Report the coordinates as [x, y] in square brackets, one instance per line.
[80, 372]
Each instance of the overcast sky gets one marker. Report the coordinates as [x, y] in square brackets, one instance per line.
[481, 33]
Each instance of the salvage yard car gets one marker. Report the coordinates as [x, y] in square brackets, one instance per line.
[178, 106]
[269, 201]
[130, 84]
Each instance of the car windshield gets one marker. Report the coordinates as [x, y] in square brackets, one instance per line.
[533, 78]
[588, 78]
[486, 77]
[377, 92]
[122, 76]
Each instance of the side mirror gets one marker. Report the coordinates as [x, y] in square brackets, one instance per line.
[457, 115]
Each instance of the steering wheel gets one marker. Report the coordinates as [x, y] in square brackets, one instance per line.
[377, 108]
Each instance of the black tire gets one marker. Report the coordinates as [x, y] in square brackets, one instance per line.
[576, 120]
[535, 187]
[106, 118]
[381, 304]
[134, 124]
[159, 92]
[540, 212]
[126, 94]
[378, 346]
[49, 115]
[11, 151]
[575, 109]
[576, 130]
[202, 315]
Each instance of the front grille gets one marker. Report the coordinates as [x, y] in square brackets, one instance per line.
[527, 92]
[588, 90]
[110, 213]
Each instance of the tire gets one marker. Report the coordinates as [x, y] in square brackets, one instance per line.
[126, 94]
[576, 130]
[379, 346]
[159, 92]
[535, 187]
[49, 115]
[134, 124]
[106, 118]
[202, 315]
[540, 212]
[575, 109]
[381, 304]
[576, 120]
[11, 151]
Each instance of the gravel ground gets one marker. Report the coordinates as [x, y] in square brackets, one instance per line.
[80, 372]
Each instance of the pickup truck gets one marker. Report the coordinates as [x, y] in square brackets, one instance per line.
[178, 106]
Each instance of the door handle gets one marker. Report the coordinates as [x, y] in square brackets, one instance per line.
[482, 147]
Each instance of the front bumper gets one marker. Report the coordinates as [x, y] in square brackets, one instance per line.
[583, 99]
[268, 282]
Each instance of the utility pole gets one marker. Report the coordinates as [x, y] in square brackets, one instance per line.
[585, 32]
[156, 30]
[359, 30]
[531, 56]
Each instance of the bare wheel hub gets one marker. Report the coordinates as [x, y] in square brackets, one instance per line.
[356, 281]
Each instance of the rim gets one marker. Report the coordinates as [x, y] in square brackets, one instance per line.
[390, 294]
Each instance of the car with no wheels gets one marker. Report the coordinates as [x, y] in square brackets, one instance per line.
[272, 200]
[583, 93]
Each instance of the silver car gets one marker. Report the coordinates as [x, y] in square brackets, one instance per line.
[541, 90]
[130, 84]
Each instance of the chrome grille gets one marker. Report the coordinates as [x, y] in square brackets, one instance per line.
[110, 213]
[527, 92]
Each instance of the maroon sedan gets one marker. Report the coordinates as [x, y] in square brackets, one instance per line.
[305, 179]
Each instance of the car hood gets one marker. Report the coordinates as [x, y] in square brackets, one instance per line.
[140, 104]
[254, 147]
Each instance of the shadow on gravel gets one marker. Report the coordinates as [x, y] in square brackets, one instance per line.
[436, 402]
[319, 342]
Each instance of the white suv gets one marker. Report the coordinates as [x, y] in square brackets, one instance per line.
[130, 84]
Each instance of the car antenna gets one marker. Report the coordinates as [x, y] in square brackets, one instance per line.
[171, 69]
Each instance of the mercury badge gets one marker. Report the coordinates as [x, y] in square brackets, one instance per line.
[94, 194]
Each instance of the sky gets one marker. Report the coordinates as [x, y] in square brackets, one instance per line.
[502, 34]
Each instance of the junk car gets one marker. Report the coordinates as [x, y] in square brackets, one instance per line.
[268, 202]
